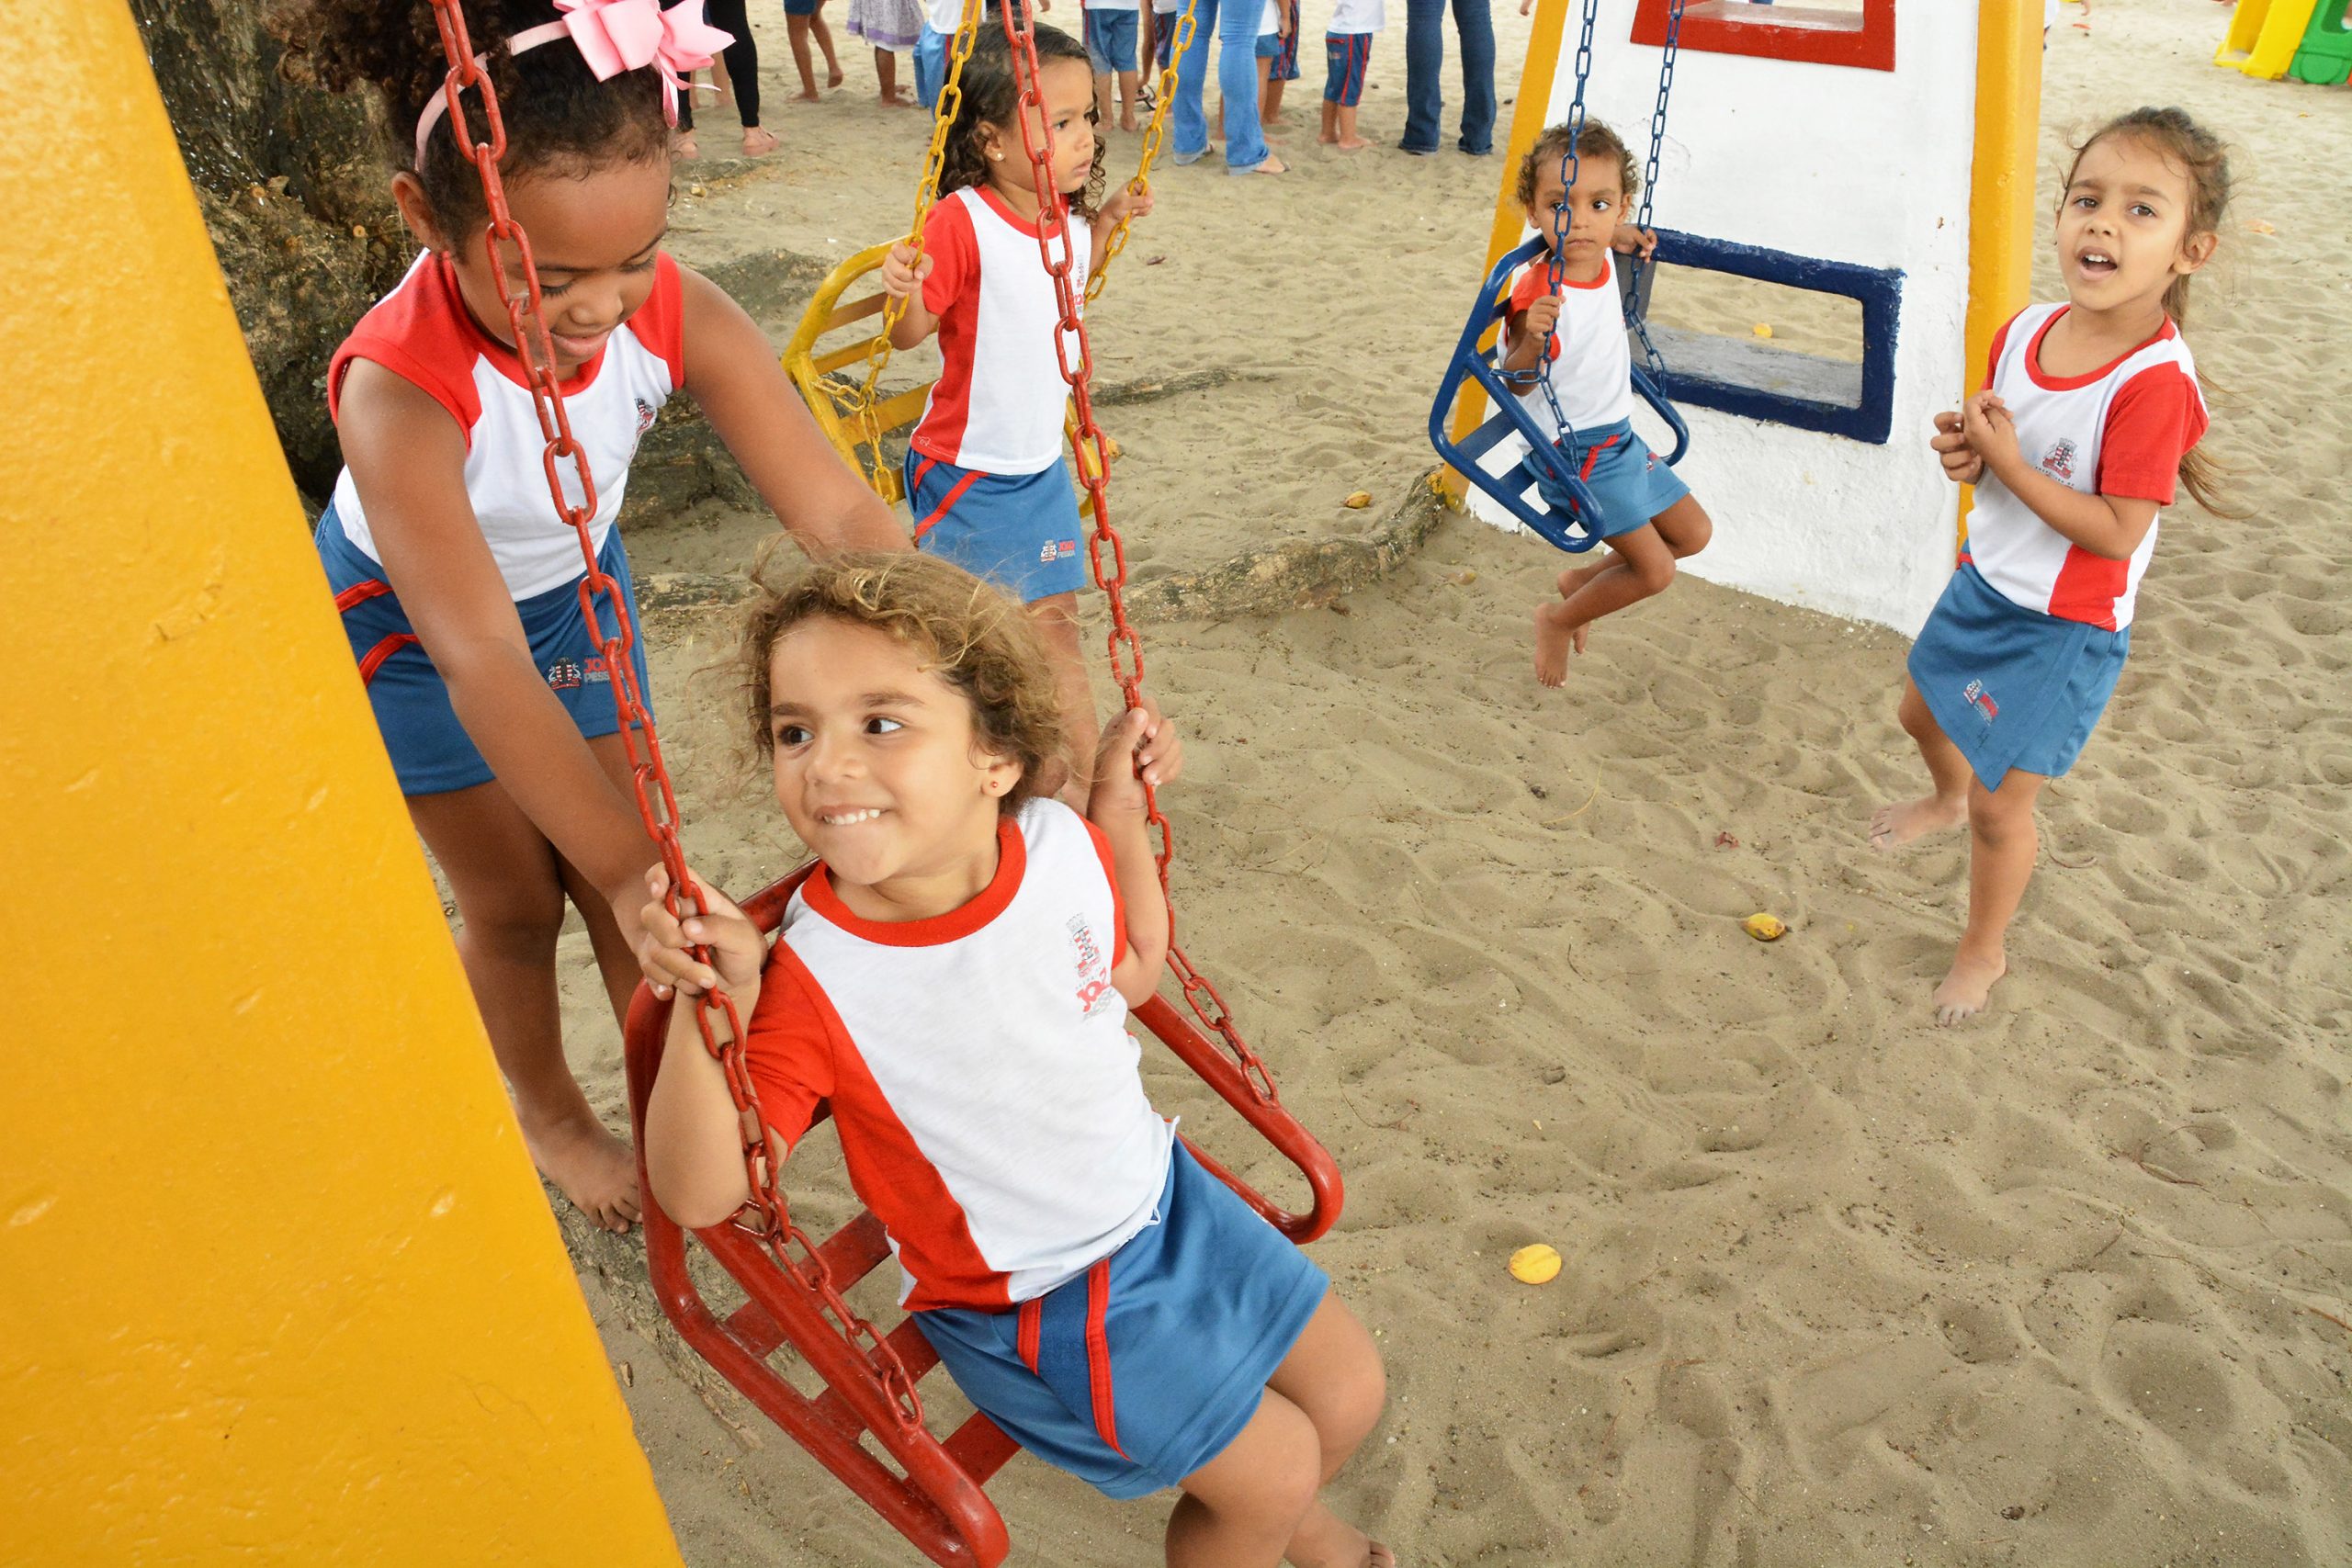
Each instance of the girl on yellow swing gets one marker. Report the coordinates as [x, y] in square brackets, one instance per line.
[985, 477]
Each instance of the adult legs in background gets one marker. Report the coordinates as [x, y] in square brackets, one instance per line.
[1237, 80]
[742, 76]
[931, 66]
[1189, 125]
[1473, 21]
[1424, 59]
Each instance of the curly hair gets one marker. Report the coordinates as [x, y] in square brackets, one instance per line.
[2205, 158]
[555, 110]
[991, 96]
[1598, 141]
[961, 629]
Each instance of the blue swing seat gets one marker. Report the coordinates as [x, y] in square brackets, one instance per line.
[1513, 473]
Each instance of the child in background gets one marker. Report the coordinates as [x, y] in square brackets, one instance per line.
[1282, 68]
[1347, 52]
[803, 19]
[985, 477]
[1649, 518]
[457, 580]
[737, 79]
[2088, 422]
[954, 979]
[1111, 46]
[1162, 49]
[891, 27]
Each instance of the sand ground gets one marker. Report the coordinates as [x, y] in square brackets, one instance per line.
[2064, 1285]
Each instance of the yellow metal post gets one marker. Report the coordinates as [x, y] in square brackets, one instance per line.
[1526, 125]
[2001, 217]
[280, 1284]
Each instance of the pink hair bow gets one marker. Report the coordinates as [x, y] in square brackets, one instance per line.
[613, 36]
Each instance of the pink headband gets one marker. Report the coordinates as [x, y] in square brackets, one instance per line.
[613, 36]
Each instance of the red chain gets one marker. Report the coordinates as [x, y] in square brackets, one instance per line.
[1125, 647]
[657, 804]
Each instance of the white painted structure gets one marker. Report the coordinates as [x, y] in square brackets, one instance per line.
[1847, 165]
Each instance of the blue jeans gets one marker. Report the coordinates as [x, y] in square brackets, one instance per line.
[1236, 26]
[1425, 61]
[930, 65]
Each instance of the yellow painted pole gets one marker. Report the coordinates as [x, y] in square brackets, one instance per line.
[277, 1283]
[1526, 124]
[2001, 218]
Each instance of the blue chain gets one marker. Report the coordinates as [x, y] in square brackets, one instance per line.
[1656, 361]
[1569, 165]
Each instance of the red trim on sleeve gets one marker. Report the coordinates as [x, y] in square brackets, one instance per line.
[1110, 875]
[2152, 422]
[1533, 284]
[1011, 862]
[420, 333]
[952, 293]
[661, 322]
[1993, 360]
[787, 1049]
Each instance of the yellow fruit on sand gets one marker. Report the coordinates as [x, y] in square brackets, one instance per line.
[1359, 501]
[1534, 1264]
[1763, 328]
[1765, 928]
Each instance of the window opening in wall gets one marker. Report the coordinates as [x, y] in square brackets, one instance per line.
[1828, 32]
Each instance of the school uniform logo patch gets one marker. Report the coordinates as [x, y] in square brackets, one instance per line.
[2059, 461]
[1093, 973]
[1056, 549]
[563, 675]
[645, 415]
[1982, 701]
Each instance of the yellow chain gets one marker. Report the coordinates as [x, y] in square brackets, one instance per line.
[1153, 135]
[860, 403]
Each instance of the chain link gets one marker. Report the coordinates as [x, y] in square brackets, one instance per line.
[1106, 554]
[657, 804]
[1634, 312]
[1571, 164]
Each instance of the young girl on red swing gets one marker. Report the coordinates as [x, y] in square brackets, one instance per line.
[954, 979]
[458, 579]
[986, 480]
[1649, 518]
[2089, 421]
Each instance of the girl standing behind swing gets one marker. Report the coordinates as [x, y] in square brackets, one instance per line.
[458, 579]
[985, 475]
[1577, 337]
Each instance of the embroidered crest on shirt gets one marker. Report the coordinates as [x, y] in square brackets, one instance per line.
[2059, 461]
[563, 675]
[1093, 974]
[1982, 701]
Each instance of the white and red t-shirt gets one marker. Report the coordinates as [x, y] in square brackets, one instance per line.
[1593, 370]
[978, 1067]
[423, 333]
[997, 404]
[2120, 430]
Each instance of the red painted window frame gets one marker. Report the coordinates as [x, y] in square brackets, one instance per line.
[1796, 32]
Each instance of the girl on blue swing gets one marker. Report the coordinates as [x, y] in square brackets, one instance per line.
[953, 978]
[2087, 423]
[1649, 518]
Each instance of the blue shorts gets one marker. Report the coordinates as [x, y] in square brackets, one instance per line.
[1020, 531]
[801, 7]
[1346, 57]
[1270, 47]
[1110, 41]
[1285, 57]
[1632, 483]
[430, 749]
[2013, 687]
[1194, 1314]
[930, 65]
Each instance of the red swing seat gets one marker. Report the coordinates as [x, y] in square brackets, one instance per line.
[940, 1502]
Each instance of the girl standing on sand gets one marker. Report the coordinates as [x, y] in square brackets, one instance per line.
[1651, 518]
[985, 475]
[954, 979]
[2089, 421]
[457, 581]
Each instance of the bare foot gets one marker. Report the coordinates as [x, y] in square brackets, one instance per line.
[1967, 987]
[1891, 826]
[834, 76]
[1128, 121]
[1327, 139]
[805, 95]
[1357, 144]
[1326, 1541]
[682, 146]
[1273, 165]
[589, 1165]
[758, 141]
[901, 99]
[1552, 643]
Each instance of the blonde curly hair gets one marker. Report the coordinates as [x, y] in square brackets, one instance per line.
[961, 629]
